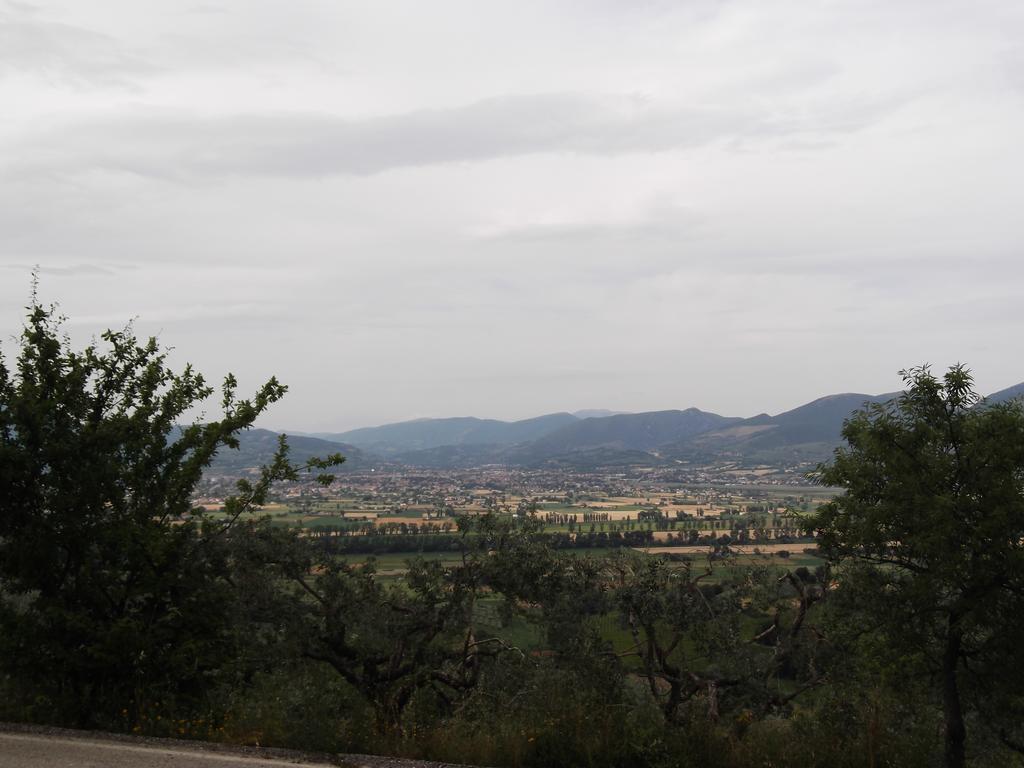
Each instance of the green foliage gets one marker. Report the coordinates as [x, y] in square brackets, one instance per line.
[292, 702]
[122, 607]
[390, 641]
[930, 534]
[114, 593]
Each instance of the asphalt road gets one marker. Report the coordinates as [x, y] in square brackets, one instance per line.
[27, 746]
[28, 750]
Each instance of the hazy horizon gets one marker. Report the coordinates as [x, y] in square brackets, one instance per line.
[505, 210]
[582, 413]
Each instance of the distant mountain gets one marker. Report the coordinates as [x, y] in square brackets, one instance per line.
[820, 420]
[454, 456]
[1017, 390]
[599, 458]
[806, 434]
[421, 434]
[257, 447]
[624, 432]
[809, 432]
[596, 413]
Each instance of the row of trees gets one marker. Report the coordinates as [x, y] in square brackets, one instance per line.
[121, 606]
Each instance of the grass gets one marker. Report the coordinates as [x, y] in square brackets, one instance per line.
[398, 561]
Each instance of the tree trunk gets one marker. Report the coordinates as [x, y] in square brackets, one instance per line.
[956, 733]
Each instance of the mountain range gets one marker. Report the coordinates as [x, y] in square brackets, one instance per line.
[257, 446]
[583, 440]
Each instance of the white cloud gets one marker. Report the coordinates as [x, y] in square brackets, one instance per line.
[65, 55]
[309, 145]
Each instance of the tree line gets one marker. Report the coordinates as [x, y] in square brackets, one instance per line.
[123, 608]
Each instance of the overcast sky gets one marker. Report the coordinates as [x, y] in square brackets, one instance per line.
[504, 209]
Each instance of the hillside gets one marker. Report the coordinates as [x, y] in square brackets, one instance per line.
[591, 459]
[257, 447]
[421, 434]
[803, 435]
[454, 456]
[807, 433]
[623, 432]
[1017, 390]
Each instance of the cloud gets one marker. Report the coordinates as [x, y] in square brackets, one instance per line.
[173, 146]
[74, 270]
[202, 313]
[660, 221]
[68, 54]
[686, 192]
[1012, 62]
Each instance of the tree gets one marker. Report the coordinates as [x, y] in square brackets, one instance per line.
[393, 641]
[691, 643]
[113, 589]
[929, 532]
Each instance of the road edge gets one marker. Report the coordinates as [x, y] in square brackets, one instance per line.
[299, 757]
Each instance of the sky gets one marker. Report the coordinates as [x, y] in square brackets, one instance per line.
[504, 209]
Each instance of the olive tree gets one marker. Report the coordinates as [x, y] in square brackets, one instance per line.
[393, 641]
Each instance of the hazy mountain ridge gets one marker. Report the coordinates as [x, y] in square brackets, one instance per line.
[454, 456]
[627, 432]
[257, 447]
[809, 432]
[423, 434]
[806, 434]
[1017, 390]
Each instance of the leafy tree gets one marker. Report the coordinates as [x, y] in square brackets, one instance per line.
[930, 533]
[392, 641]
[691, 643]
[113, 589]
